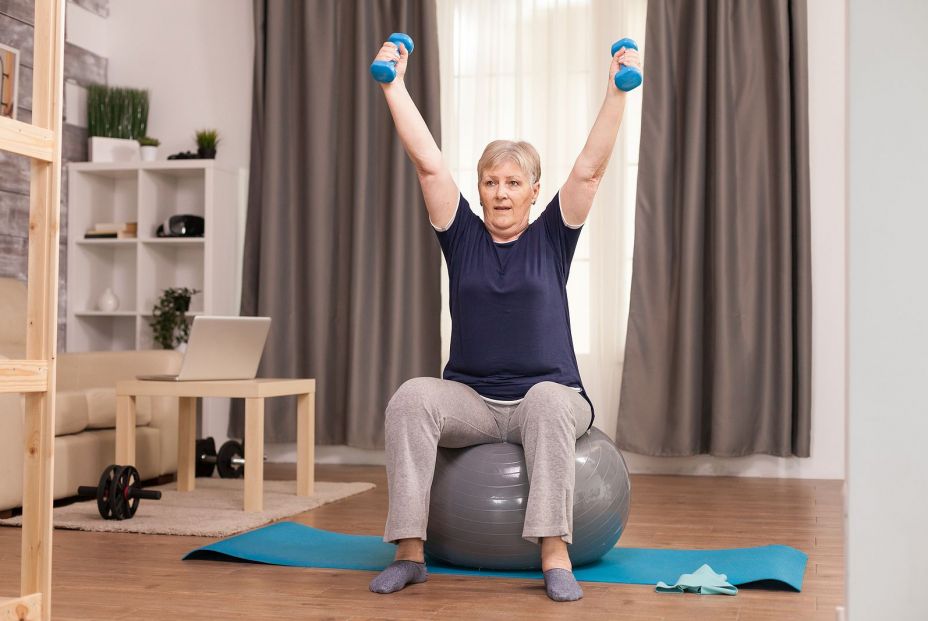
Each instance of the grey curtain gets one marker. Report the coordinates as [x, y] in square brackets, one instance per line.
[718, 353]
[338, 248]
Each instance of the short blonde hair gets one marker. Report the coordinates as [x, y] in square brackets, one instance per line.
[522, 153]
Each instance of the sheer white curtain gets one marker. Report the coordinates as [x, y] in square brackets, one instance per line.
[537, 70]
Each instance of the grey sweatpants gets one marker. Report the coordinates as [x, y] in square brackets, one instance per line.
[427, 412]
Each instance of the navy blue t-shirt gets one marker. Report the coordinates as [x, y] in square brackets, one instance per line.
[508, 301]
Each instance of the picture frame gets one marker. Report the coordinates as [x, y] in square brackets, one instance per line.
[9, 80]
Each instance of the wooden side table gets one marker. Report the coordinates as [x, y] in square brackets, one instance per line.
[254, 392]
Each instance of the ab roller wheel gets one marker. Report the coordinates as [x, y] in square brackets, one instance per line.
[118, 493]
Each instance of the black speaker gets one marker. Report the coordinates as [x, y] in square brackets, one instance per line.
[183, 225]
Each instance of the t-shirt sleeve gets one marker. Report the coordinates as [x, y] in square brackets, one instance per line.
[563, 238]
[463, 224]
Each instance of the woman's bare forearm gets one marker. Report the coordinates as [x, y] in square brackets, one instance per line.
[414, 133]
[594, 158]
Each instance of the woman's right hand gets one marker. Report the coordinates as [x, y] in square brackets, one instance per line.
[390, 52]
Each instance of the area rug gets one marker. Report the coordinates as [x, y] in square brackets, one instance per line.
[213, 509]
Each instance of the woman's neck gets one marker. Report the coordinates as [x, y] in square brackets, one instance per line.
[503, 238]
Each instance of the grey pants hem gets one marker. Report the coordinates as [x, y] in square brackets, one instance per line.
[536, 535]
[396, 536]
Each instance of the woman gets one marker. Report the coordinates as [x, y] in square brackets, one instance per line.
[512, 375]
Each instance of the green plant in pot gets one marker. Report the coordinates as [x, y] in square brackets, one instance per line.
[207, 141]
[169, 322]
[114, 112]
[148, 147]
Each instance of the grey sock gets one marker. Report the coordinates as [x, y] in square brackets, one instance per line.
[562, 586]
[397, 575]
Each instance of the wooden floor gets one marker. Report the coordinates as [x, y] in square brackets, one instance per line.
[128, 576]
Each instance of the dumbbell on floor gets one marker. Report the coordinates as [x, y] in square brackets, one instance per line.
[118, 493]
[230, 461]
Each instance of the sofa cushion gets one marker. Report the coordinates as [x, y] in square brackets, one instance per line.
[101, 409]
[70, 412]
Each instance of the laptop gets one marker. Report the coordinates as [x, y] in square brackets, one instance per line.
[221, 348]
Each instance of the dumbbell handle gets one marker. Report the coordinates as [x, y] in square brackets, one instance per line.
[240, 461]
[134, 492]
[213, 459]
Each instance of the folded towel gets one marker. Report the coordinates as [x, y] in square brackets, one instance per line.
[703, 581]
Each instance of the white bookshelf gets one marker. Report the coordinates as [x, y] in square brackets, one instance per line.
[138, 270]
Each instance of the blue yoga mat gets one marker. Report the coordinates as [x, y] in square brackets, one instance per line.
[297, 545]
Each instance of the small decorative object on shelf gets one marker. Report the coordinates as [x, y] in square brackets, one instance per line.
[149, 148]
[182, 225]
[169, 323]
[113, 230]
[108, 301]
[207, 141]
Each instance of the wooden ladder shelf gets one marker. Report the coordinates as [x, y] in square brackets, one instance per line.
[35, 376]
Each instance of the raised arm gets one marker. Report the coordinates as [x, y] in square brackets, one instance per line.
[438, 187]
[578, 191]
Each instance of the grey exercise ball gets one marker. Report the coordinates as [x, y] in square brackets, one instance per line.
[478, 500]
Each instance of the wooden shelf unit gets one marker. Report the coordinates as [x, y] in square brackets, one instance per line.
[35, 376]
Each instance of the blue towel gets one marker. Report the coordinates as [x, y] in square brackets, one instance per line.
[703, 581]
[296, 545]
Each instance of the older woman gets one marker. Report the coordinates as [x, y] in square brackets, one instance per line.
[512, 375]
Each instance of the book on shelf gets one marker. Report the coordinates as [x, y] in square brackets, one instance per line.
[92, 234]
[116, 227]
[113, 230]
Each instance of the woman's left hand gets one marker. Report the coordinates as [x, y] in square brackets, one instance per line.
[629, 57]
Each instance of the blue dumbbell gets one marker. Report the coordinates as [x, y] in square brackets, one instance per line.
[626, 78]
[385, 70]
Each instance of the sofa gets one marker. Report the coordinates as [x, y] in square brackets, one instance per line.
[85, 410]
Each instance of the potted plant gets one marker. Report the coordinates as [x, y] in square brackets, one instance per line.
[149, 148]
[169, 317]
[116, 119]
[207, 140]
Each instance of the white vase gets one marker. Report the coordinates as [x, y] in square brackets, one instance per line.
[108, 301]
[149, 153]
[182, 348]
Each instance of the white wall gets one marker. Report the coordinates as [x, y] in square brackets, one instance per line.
[197, 59]
[888, 329]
